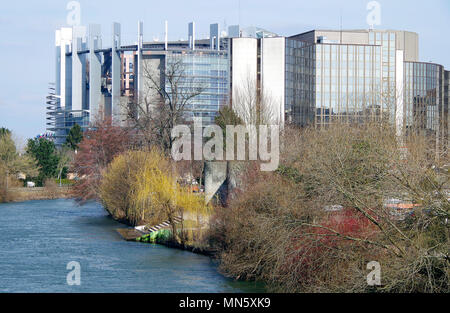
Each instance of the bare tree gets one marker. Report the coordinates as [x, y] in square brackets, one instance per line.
[253, 106]
[167, 96]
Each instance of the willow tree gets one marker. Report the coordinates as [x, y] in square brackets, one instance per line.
[156, 188]
[139, 188]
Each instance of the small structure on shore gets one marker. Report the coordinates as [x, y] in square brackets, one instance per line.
[134, 234]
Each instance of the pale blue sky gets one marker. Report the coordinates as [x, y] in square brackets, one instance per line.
[27, 34]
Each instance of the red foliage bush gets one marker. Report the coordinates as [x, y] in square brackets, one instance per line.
[315, 248]
[99, 147]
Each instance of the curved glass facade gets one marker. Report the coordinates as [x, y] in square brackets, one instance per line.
[424, 94]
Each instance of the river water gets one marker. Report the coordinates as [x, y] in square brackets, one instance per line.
[39, 238]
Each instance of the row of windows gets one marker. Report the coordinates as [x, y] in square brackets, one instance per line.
[375, 37]
[422, 94]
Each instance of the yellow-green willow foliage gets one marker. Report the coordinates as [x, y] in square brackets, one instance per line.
[117, 183]
[141, 187]
[156, 189]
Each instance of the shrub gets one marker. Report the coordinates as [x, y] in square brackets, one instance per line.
[96, 151]
[118, 182]
[51, 188]
[157, 192]
[3, 189]
[140, 187]
[277, 228]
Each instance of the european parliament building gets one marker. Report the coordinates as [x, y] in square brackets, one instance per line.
[313, 78]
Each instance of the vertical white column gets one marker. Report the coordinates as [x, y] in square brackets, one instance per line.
[58, 61]
[95, 69]
[116, 74]
[191, 35]
[166, 35]
[214, 36]
[78, 69]
[273, 76]
[138, 66]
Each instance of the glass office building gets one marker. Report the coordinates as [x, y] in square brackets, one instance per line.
[349, 76]
[387, 41]
[424, 97]
[207, 71]
[329, 82]
[300, 83]
[365, 75]
[347, 80]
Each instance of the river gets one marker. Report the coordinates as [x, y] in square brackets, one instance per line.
[39, 238]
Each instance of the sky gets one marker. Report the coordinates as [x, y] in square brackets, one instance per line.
[27, 35]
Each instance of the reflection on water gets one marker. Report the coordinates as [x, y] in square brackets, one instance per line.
[39, 238]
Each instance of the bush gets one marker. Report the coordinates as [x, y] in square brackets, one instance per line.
[3, 189]
[118, 182]
[51, 188]
[65, 182]
[157, 192]
[99, 146]
[279, 228]
[139, 187]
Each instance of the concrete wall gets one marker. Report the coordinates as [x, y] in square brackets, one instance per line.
[409, 43]
[153, 66]
[273, 76]
[63, 41]
[95, 69]
[78, 69]
[243, 72]
[116, 74]
[66, 81]
[348, 37]
[215, 178]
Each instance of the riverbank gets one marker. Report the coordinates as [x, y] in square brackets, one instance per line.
[38, 193]
[164, 237]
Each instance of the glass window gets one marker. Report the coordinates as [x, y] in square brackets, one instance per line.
[371, 38]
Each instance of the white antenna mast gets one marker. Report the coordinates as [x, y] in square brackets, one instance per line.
[166, 35]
